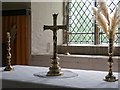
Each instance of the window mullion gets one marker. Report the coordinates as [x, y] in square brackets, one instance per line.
[65, 20]
[96, 30]
[96, 35]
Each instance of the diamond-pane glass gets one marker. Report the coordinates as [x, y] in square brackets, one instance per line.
[81, 22]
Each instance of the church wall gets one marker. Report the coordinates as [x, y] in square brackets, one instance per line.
[42, 41]
[41, 46]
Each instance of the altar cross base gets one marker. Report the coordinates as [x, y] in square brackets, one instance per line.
[55, 69]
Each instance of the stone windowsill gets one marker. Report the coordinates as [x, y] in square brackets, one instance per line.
[86, 62]
[87, 49]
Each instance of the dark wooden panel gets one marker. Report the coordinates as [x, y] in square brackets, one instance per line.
[16, 12]
[20, 46]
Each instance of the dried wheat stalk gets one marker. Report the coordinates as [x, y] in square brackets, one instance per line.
[108, 22]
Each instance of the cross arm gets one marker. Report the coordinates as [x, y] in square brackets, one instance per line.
[48, 27]
[62, 27]
[55, 27]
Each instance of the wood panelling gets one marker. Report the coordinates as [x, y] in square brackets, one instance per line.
[20, 47]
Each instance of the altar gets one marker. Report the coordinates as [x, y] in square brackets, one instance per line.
[24, 77]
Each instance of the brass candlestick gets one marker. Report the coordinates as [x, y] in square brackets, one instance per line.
[55, 69]
[110, 77]
[8, 66]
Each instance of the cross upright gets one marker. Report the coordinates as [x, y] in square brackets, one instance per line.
[54, 70]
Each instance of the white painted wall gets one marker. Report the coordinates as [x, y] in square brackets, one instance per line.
[42, 41]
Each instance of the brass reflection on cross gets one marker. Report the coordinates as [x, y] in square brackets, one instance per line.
[55, 69]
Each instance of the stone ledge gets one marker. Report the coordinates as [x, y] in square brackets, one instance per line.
[87, 50]
[77, 61]
[88, 56]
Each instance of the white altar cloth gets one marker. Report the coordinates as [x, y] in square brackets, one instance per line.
[22, 77]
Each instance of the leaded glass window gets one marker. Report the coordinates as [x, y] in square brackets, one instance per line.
[81, 23]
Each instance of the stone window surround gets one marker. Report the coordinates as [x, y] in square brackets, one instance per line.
[79, 49]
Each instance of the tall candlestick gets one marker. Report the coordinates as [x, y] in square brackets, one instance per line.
[8, 66]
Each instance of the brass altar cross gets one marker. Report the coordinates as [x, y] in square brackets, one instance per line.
[54, 70]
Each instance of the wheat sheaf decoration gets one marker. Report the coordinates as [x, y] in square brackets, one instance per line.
[109, 22]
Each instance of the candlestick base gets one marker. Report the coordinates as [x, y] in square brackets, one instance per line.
[54, 69]
[8, 68]
[110, 78]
